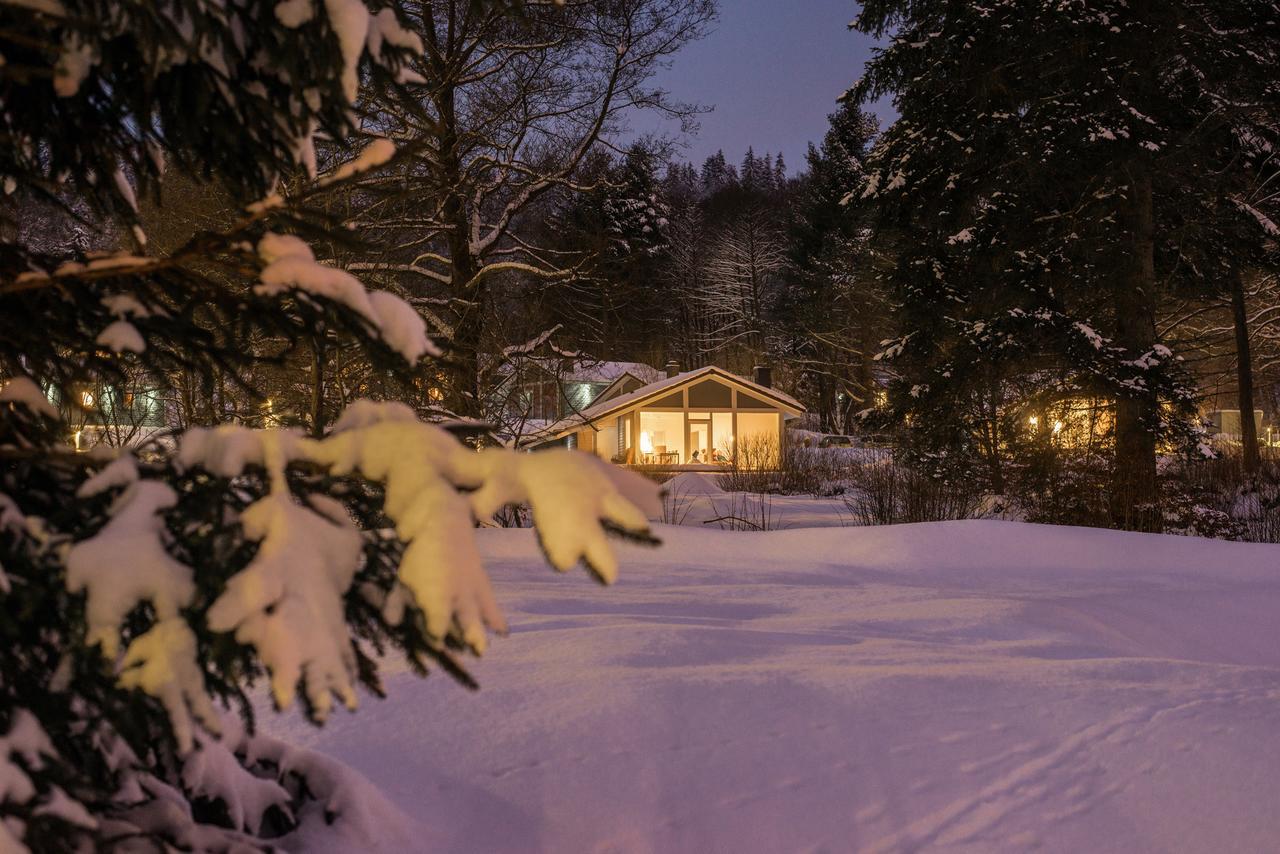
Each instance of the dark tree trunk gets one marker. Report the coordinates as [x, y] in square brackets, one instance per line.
[317, 389]
[1244, 377]
[465, 397]
[995, 462]
[826, 404]
[1134, 494]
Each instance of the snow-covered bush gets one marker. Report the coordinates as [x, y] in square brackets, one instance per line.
[144, 596]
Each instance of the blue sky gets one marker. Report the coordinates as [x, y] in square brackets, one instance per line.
[772, 69]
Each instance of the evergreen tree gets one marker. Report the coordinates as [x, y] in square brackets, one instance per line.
[717, 174]
[144, 595]
[612, 307]
[636, 214]
[1042, 155]
[832, 310]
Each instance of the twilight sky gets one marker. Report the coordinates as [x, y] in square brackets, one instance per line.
[772, 69]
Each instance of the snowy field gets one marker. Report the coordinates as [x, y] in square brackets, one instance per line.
[963, 686]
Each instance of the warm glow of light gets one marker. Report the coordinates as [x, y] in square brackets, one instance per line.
[1034, 421]
[1057, 427]
[76, 437]
[646, 443]
[86, 399]
[435, 393]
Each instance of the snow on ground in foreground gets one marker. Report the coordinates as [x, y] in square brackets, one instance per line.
[960, 686]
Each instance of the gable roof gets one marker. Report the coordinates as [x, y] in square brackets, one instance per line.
[658, 389]
[586, 370]
[620, 382]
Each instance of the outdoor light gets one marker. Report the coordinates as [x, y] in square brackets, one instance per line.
[1034, 421]
[1057, 427]
[86, 399]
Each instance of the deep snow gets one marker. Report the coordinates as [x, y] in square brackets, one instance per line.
[960, 686]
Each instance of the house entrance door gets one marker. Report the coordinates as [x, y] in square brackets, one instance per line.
[699, 441]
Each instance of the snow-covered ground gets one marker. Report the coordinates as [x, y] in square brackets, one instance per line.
[960, 686]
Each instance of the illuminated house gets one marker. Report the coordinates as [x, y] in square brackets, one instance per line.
[1225, 423]
[1074, 422]
[116, 415]
[706, 417]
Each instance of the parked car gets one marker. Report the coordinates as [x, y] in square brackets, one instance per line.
[836, 442]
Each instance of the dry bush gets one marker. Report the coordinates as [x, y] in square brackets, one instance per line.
[1215, 498]
[743, 512]
[889, 493]
[676, 505]
[762, 467]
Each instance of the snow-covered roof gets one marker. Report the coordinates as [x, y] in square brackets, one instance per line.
[609, 371]
[591, 370]
[654, 389]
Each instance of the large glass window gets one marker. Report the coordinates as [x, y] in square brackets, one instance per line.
[607, 441]
[757, 440]
[662, 438]
[721, 437]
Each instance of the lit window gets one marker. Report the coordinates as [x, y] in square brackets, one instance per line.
[646, 442]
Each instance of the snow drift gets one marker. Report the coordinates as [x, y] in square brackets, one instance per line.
[962, 686]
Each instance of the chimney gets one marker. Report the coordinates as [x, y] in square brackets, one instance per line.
[673, 367]
[764, 376]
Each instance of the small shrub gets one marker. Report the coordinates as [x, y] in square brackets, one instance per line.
[889, 493]
[676, 504]
[762, 467]
[744, 512]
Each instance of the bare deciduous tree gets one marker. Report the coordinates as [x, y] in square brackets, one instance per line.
[512, 111]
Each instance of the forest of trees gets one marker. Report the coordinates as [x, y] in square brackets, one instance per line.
[729, 264]
[223, 219]
[1060, 178]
